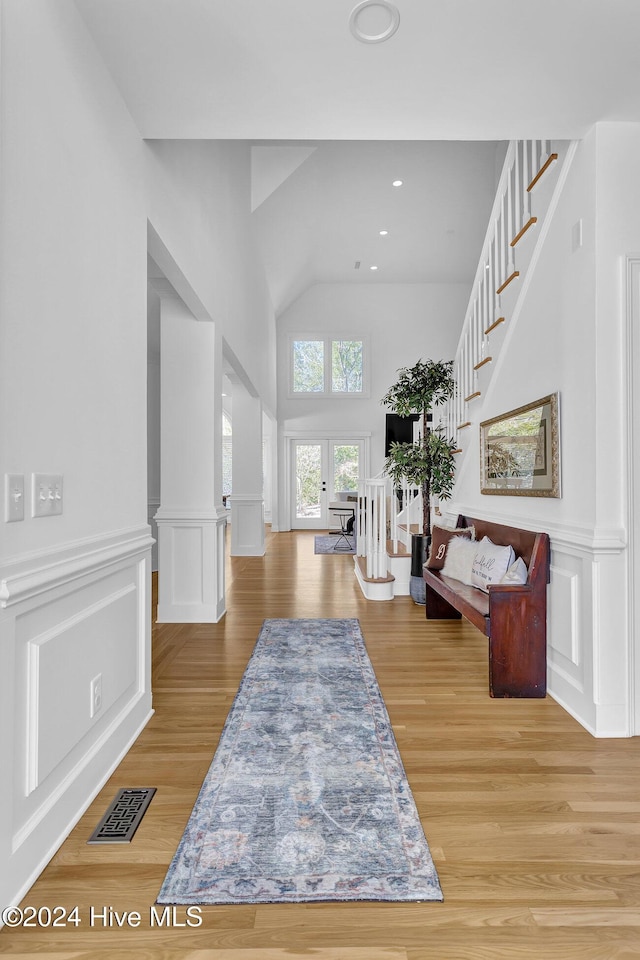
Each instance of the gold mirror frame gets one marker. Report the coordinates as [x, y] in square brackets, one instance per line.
[520, 451]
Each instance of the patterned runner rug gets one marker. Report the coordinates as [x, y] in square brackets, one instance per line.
[306, 798]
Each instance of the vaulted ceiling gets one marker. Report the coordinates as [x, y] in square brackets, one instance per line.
[332, 121]
[323, 223]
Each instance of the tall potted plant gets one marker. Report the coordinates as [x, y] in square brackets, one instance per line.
[429, 463]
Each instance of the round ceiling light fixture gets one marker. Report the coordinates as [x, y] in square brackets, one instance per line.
[373, 21]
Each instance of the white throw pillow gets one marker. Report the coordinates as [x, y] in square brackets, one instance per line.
[459, 559]
[490, 563]
[517, 572]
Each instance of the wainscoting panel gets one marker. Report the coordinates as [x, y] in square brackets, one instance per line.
[67, 618]
[564, 600]
[191, 587]
[588, 626]
[247, 527]
[187, 562]
[100, 640]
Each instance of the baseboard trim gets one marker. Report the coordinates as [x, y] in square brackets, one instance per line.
[26, 885]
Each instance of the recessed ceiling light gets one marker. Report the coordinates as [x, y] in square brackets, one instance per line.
[373, 268]
[397, 183]
[384, 233]
[373, 21]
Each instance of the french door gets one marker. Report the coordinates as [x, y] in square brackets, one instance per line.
[320, 471]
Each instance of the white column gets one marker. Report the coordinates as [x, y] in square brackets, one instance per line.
[247, 499]
[191, 520]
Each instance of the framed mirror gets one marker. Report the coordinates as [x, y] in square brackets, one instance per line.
[520, 451]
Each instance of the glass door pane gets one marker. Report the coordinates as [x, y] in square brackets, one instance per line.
[346, 468]
[310, 492]
[325, 473]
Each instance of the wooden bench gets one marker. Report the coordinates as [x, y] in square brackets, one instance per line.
[513, 617]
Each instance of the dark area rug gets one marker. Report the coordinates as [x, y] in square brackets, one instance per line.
[333, 543]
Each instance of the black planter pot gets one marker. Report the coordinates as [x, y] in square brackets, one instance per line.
[419, 552]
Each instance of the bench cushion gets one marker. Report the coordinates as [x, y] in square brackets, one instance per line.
[440, 537]
[491, 562]
[459, 559]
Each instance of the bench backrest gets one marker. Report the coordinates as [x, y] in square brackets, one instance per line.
[532, 547]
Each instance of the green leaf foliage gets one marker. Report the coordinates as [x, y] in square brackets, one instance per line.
[418, 388]
[430, 462]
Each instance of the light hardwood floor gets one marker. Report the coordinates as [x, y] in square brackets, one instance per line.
[534, 825]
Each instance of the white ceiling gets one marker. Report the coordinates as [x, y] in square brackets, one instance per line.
[329, 212]
[288, 75]
[291, 69]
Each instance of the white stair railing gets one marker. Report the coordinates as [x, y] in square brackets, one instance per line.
[528, 163]
[404, 509]
[384, 513]
[372, 526]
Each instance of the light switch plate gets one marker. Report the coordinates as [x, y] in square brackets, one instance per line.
[13, 497]
[46, 494]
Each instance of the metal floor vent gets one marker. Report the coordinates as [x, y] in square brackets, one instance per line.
[123, 816]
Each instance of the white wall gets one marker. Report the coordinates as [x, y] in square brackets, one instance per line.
[402, 323]
[200, 205]
[569, 337]
[153, 415]
[74, 589]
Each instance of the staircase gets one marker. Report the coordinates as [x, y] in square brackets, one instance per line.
[532, 178]
[386, 519]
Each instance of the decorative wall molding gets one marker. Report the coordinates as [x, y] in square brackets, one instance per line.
[195, 515]
[46, 570]
[191, 562]
[566, 535]
[21, 835]
[587, 630]
[632, 396]
[99, 750]
[247, 526]
[68, 615]
[35, 646]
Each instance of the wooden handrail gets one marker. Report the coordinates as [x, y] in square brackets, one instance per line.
[516, 273]
[495, 324]
[472, 396]
[530, 222]
[543, 168]
[482, 363]
[467, 423]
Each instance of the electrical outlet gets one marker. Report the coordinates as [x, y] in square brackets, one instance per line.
[13, 497]
[95, 692]
[46, 495]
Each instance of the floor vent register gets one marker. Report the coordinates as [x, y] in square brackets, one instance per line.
[123, 816]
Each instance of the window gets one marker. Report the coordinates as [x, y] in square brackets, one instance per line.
[328, 367]
[346, 366]
[308, 366]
